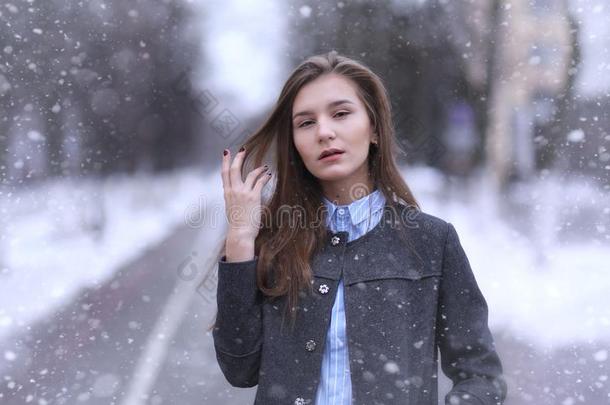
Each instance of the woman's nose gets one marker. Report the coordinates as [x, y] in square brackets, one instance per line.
[325, 130]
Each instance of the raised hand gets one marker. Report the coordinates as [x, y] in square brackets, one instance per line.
[242, 204]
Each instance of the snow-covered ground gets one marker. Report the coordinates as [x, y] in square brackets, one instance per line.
[63, 236]
[542, 288]
[548, 290]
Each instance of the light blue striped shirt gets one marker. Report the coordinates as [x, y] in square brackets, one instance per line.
[335, 386]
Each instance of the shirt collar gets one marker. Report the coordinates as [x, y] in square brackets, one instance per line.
[358, 209]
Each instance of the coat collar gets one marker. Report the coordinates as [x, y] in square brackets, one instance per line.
[386, 251]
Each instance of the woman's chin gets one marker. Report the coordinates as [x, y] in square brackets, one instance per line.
[331, 174]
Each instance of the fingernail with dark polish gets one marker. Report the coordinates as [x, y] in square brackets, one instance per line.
[224, 152]
[242, 149]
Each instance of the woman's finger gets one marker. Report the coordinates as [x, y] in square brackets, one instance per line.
[224, 169]
[260, 183]
[235, 170]
[251, 178]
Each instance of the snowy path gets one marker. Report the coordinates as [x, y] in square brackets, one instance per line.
[567, 375]
[142, 333]
[87, 352]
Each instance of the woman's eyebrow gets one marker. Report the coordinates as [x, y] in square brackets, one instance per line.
[330, 105]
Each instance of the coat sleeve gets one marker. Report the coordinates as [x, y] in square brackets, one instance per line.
[468, 355]
[237, 333]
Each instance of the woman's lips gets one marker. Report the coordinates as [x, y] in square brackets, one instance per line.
[333, 157]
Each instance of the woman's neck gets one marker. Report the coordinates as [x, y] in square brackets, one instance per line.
[345, 192]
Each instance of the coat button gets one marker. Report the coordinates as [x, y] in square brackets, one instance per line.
[310, 346]
[335, 240]
[323, 289]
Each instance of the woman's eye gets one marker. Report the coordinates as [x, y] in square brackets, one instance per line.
[304, 123]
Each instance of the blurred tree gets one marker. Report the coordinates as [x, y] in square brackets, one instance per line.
[555, 131]
[96, 81]
[528, 72]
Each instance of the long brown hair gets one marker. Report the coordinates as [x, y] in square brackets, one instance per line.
[284, 249]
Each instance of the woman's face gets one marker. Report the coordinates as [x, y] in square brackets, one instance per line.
[327, 113]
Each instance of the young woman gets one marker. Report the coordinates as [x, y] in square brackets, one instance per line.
[374, 287]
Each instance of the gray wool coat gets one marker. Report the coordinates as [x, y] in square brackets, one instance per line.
[409, 293]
